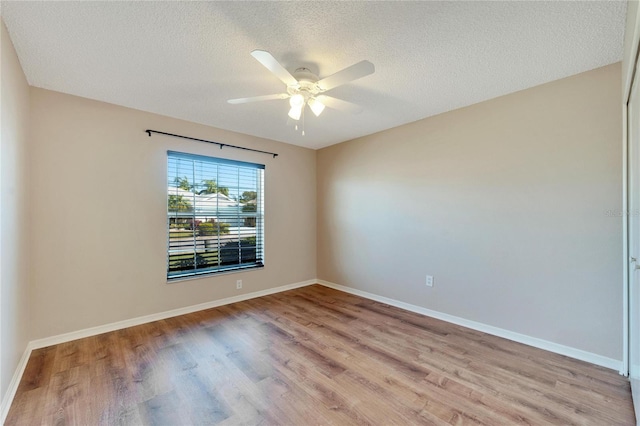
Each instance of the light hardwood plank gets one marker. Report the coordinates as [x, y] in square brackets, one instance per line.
[312, 356]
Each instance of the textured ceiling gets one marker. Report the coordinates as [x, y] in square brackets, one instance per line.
[185, 59]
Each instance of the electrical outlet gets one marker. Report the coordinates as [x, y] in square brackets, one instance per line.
[238, 284]
[429, 281]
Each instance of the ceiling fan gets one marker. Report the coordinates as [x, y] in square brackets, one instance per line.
[305, 88]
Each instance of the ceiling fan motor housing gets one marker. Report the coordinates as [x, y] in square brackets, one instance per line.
[307, 86]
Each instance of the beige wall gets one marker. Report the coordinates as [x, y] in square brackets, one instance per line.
[630, 45]
[503, 202]
[98, 223]
[14, 286]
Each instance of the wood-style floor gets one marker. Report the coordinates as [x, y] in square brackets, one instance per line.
[311, 356]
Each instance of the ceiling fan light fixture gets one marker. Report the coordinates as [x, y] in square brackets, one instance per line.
[295, 112]
[316, 106]
[296, 101]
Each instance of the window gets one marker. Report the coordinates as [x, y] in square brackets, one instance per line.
[215, 219]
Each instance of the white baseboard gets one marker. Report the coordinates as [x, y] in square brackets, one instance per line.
[596, 359]
[13, 385]
[87, 332]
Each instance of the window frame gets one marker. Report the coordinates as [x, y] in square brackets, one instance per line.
[195, 213]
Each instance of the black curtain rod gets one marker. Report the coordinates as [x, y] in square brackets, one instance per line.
[222, 145]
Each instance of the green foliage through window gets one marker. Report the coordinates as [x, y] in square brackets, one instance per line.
[177, 203]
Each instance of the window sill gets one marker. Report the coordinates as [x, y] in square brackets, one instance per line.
[213, 274]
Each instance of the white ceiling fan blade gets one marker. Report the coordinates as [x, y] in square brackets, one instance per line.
[258, 98]
[354, 72]
[339, 104]
[270, 63]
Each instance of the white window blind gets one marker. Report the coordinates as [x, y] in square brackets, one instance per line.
[215, 215]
